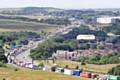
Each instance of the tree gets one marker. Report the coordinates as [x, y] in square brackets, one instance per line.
[2, 56]
[94, 59]
[53, 68]
[41, 65]
[66, 66]
[100, 46]
[83, 63]
[77, 67]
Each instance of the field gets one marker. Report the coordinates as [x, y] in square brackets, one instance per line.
[32, 16]
[27, 74]
[13, 25]
[88, 67]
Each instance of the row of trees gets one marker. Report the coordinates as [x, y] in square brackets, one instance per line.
[58, 21]
[101, 59]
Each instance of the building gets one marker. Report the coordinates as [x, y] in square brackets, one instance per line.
[85, 37]
[108, 20]
[65, 55]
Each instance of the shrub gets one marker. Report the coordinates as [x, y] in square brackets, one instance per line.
[66, 66]
[53, 68]
[16, 69]
[62, 71]
[41, 65]
[2, 64]
[77, 67]
[3, 79]
[83, 63]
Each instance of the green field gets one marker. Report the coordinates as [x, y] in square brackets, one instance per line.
[28, 74]
[14, 25]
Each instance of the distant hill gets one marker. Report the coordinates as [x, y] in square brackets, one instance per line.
[29, 10]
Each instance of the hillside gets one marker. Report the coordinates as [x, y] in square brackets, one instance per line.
[27, 74]
[29, 10]
[14, 25]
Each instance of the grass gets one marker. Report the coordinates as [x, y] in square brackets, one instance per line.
[88, 67]
[9, 25]
[27, 74]
[33, 16]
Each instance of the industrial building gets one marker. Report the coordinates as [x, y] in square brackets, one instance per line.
[108, 20]
[86, 37]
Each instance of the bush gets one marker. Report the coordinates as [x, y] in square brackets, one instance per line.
[83, 63]
[41, 65]
[16, 69]
[66, 66]
[62, 71]
[53, 69]
[77, 67]
[2, 64]
[3, 79]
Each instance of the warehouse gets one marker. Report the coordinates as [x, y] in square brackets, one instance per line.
[86, 37]
[108, 20]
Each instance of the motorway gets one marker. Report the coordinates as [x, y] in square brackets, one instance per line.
[20, 57]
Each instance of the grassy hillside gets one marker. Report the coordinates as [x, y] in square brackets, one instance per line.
[27, 74]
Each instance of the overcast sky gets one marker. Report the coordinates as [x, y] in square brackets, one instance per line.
[67, 4]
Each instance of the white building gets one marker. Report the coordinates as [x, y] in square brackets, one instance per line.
[86, 37]
[68, 72]
[107, 20]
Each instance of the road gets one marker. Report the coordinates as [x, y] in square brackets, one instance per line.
[23, 56]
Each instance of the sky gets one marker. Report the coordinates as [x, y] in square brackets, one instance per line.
[65, 4]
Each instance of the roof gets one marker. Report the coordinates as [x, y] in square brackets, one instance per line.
[86, 37]
[107, 19]
[13, 47]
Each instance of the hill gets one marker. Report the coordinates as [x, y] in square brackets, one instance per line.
[10, 25]
[27, 74]
[29, 10]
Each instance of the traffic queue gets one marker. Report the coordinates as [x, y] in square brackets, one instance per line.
[11, 55]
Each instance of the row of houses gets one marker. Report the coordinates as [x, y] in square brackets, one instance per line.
[74, 55]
